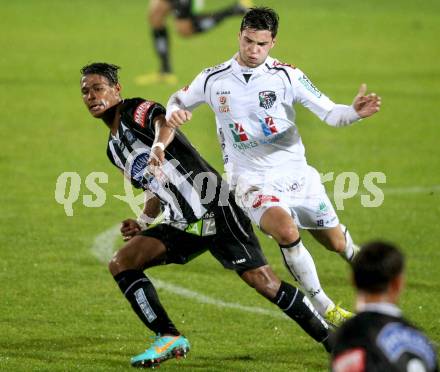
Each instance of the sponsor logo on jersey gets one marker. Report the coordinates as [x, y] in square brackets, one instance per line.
[223, 107]
[263, 199]
[137, 169]
[238, 132]
[351, 360]
[223, 92]
[396, 338]
[304, 80]
[141, 111]
[281, 64]
[212, 69]
[267, 98]
[268, 126]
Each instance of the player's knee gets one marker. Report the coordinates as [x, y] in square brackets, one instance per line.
[119, 263]
[339, 245]
[285, 234]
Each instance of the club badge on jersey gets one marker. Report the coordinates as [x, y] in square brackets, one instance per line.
[267, 98]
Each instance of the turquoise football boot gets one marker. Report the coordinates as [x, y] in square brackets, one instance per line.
[162, 349]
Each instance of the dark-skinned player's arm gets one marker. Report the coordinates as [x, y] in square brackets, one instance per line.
[131, 227]
[163, 137]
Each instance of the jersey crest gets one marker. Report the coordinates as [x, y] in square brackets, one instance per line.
[267, 98]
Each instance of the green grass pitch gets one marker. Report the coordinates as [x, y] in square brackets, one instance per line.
[60, 309]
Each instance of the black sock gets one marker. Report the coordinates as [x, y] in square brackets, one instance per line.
[294, 304]
[204, 22]
[142, 295]
[161, 46]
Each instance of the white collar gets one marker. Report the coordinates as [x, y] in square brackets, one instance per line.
[381, 307]
[240, 70]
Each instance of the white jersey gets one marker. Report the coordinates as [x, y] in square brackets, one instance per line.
[255, 118]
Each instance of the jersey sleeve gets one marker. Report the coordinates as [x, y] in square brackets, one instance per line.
[189, 97]
[144, 112]
[308, 95]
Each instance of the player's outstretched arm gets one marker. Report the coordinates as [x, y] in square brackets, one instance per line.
[179, 117]
[366, 105]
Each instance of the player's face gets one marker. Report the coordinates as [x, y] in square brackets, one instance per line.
[254, 47]
[98, 95]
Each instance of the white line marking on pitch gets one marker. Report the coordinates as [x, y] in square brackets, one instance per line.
[394, 190]
[102, 249]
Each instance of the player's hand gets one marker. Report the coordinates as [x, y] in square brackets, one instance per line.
[179, 117]
[157, 157]
[129, 228]
[366, 105]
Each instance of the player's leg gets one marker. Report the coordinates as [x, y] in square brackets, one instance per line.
[158, 12]
[157, 15]
[313, 211]
[236, 247]
[278, 223]
[337, 239]
[290, 300]
[189, 21]
[127, 267]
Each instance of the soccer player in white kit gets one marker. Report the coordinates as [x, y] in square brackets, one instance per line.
[252, 96]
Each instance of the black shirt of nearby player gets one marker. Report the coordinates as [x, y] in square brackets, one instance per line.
[377, 341]
[190, 186]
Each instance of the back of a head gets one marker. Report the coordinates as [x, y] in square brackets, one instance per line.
[376, 265]
[261, 18]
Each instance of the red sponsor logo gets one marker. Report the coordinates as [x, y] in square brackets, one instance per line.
[263, 199]
[279, 63]
[141, 112]
[222, 100]
[352, 360]
[271, 124]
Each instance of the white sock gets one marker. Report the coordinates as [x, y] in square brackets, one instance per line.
[300, 264]
[350, 248]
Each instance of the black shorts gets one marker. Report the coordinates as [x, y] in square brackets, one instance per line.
[234, 243]
[182, 8]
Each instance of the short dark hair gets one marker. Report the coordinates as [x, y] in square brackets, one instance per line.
[105, 69]
[376, 265]
[261, 18]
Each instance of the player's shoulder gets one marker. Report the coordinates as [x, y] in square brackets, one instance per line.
[217, 68]
[283, 69]
[274, 63]
[140, 109]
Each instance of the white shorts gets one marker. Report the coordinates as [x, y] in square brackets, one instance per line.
[302, 195]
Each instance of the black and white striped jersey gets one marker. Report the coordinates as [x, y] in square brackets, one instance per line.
[188, 185]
